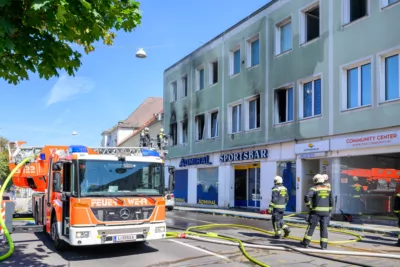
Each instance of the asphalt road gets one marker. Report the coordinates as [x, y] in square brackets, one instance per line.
[36, 249]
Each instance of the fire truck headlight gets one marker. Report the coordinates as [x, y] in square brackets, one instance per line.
[160, 229]
[82, 234]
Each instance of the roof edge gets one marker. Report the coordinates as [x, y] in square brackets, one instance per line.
[264, 7]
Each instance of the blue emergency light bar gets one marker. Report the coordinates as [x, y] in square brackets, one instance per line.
[77, 149]
[42, 156]
[149, 153]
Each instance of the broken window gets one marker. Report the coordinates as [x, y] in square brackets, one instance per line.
[200, 125]
[174, 134]
[214, 72]
[284, 105]
[214, 124]
[357, 9]
[312, 24]
[184, 131]
[184, 86]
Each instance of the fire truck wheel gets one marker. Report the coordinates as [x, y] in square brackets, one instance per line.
[57, 242]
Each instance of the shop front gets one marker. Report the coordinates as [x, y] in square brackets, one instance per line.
[246, 175]
[366, 172]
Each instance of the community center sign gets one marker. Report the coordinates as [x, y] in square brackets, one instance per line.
[244, 155]
[195, 161]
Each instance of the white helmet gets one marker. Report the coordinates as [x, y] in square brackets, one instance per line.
[162, 130]
[146, 129]
[326, 178]
[318, 179]
[278, 180]
[355, 178]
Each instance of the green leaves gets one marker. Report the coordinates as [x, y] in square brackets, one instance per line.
[35, 36]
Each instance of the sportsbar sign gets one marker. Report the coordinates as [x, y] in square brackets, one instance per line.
[246, 155]
[367, 140]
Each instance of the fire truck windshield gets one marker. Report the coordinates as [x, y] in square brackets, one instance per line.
[116, 178]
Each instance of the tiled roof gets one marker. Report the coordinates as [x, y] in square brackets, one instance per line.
[143, 113]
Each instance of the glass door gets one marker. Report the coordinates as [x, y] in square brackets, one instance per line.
[253, 188]
[240, 187]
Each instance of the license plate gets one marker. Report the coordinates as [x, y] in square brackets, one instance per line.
[124, 238]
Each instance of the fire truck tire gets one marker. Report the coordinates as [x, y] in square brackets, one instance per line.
[59, 244]
[170, 208]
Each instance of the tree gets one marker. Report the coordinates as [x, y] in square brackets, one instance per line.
[4, 171]
[36, 35]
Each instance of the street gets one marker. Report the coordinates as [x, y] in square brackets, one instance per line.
[37, 250]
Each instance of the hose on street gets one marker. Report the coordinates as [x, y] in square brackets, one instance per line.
[2, 223]
[195, 232]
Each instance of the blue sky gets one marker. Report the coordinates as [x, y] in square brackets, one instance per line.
[112, 82]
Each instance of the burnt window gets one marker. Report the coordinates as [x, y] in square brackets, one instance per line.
[174, 134]
[184, 86]
[184, 125]
[200, 125]
[214, 72]
[283, 105]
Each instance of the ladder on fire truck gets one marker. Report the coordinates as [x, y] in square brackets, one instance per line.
[17, 152]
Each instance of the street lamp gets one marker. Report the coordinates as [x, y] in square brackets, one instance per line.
[141, 53]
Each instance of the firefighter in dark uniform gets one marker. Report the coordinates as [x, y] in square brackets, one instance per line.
[160, 139]
[146, 138]
[396, 210]
[320, 201]
[142, 139]
[277, 206]
[356, 204]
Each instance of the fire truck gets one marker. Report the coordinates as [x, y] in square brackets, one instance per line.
[92, 196]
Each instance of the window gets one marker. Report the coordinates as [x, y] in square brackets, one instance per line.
[311, 22]
[358, 86]
[213, 124]
[253, 113]
[235, 61]
[200, 127]
[207, 186]
[311, 99]
[214, 72]
[284, 105]
[184, 131]
[200, 78]
[391, 77]
[174, 91]
[386, 3]
[236, 118]
[253, 51]
[354, 10]
[283, 36]
[184, 86]
[174, 134]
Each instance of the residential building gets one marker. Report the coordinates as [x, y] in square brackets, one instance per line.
[141, 116]
[299, 87]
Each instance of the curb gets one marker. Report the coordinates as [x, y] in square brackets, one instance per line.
[332, 225]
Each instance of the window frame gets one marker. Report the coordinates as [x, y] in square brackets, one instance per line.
[177, 134]
[198, 70]
[249, 50]
[174, 95]
[384, 4]
[246, 112]
[303, 23]
[211, 72]
[183, 95]
[382, 73]
[230, 116]
[346, 12]
[344, 82]
[232, 60]
[209, 123]
[300, 85]
[180, 130]
[278, 33]
[196, 130]
[285, 87]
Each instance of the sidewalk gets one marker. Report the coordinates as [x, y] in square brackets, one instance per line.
[370, 228]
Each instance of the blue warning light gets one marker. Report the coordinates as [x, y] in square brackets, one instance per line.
[149, 153]
[77, 149]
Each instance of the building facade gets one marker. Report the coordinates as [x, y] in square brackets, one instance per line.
[297, 88]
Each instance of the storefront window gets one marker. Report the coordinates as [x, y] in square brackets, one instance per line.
[287, 170]
[207, 186]
[366, 185]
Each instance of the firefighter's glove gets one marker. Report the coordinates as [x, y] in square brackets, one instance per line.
[269, 210]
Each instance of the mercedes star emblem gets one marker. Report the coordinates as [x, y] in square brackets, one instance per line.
[124, 213]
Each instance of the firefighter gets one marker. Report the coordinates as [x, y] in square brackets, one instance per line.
[160, 138]
[142, 139]
[396, 210]
[146, 137]
[326, 180]
[356, 192]
[277, 206]
[320, 201]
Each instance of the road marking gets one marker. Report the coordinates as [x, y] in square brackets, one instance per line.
[200, 249]
[189, 219]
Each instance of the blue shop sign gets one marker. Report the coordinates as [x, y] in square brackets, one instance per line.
[195, 161]
[246, 155]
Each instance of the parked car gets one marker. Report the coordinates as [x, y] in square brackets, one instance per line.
[169, 199]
